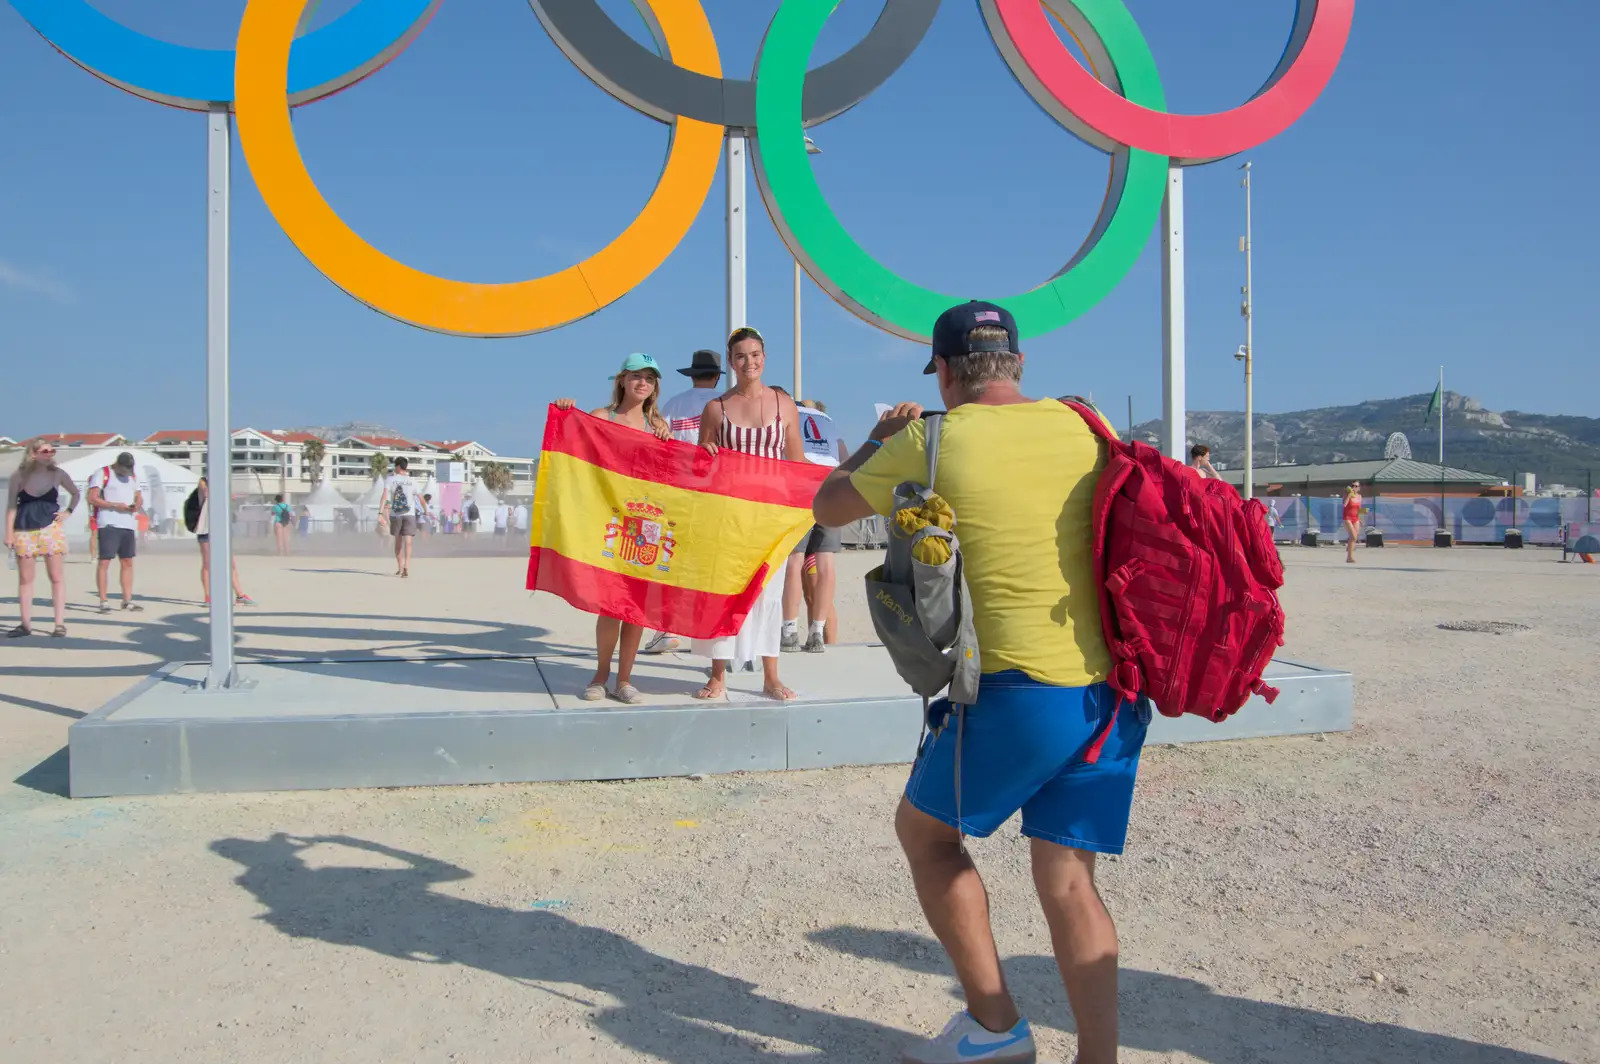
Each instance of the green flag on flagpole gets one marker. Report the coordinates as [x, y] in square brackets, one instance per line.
[1433, 405]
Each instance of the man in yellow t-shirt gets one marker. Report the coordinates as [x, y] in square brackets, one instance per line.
[1020, 475]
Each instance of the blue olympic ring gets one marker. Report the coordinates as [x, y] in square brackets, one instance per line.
[324, 61]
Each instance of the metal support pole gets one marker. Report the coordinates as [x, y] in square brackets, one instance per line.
[219, 442]
[797, 273]
[734, 179]
[1249, 350]
[1174, 410]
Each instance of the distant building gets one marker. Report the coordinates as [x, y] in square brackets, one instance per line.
[1383, 476]
[86, 440]
[270, 461]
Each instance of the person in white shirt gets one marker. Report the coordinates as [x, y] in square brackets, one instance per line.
[115, 496]
[402, 502]
[810, 575]
[682, 412]
[502, 520]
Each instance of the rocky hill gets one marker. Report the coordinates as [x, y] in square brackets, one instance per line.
[1559, 449]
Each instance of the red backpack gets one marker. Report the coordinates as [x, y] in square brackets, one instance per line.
[1187, 574]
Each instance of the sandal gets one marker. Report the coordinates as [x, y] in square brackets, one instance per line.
[779, 693]
[594, 692]
[19, 632]
[58, 632]
[711, 691]
[628, 693]
[244, 600]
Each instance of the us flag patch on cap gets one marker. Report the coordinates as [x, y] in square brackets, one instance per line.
[986, 315]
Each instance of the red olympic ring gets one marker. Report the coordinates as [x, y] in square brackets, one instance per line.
[1187, 139]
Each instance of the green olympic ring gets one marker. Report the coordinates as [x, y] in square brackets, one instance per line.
[871, 290]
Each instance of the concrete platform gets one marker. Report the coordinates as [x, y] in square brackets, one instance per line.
[398, 722]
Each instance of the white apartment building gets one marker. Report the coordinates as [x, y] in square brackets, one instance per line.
[272, 461]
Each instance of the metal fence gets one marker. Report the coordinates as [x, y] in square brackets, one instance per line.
[1479, 520]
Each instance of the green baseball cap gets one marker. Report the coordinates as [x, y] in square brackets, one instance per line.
[637, 361]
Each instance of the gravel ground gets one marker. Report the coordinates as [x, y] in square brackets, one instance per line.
[1424, 889]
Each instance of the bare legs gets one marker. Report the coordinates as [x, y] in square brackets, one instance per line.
[1350, 541]
[125, 575]
[608, 632]
[819, 597]
[282, 532]
[402, 555]
[55, 567]
[793, 579]
[25, 574]
[1085, 942]
[957, 907]
[205, 572]
[815, 589]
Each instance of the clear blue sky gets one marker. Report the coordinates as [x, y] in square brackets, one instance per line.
[1433, 207]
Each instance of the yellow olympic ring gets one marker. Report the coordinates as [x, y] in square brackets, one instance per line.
[468, 309]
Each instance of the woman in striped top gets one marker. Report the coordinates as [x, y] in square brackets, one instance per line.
[756, 419]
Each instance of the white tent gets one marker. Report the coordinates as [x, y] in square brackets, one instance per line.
[372, 497]
[165, 484]
[324, 505]
[486, 499]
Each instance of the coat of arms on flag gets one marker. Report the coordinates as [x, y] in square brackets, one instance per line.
[638, 534]
[661, 533]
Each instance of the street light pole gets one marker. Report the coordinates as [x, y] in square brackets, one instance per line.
[1248, 309]
[811, 149]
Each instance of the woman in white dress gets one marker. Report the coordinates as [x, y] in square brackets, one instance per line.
[755, 419]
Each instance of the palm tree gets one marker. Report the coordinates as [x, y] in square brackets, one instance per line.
[379, 465]
[496, 476]
[312, 454]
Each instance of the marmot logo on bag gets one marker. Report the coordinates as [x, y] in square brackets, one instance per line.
[888, 600]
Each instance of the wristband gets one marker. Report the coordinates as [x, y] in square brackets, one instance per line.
[875, 443]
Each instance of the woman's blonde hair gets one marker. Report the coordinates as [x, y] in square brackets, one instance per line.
[651, 416]
[30, 458]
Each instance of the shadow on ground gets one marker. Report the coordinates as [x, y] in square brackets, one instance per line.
[260, 635]
[49, 776]
[1159, 1010]
[659, 1006]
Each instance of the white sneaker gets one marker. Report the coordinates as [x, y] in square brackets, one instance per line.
[662, 643]
[965, 1040]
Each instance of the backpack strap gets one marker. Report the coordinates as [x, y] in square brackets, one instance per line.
[932, 424]
[1090, 415]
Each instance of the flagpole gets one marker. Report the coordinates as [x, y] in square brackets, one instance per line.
[1444, 524]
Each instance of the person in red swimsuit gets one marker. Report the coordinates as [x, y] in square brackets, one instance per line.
[1352, 520]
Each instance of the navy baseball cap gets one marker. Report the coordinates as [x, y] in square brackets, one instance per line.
[950, 332]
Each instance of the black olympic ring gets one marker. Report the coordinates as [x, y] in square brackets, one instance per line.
[663, 90]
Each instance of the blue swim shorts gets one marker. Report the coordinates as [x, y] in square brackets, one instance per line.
[1022, 747]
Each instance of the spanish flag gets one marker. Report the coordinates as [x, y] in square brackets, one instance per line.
[661, 534]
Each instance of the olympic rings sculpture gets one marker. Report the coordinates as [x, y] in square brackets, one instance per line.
[1117, 106]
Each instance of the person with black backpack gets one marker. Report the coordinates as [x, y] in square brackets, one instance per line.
[1031, 724]
[197, 519]
[402, 502]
